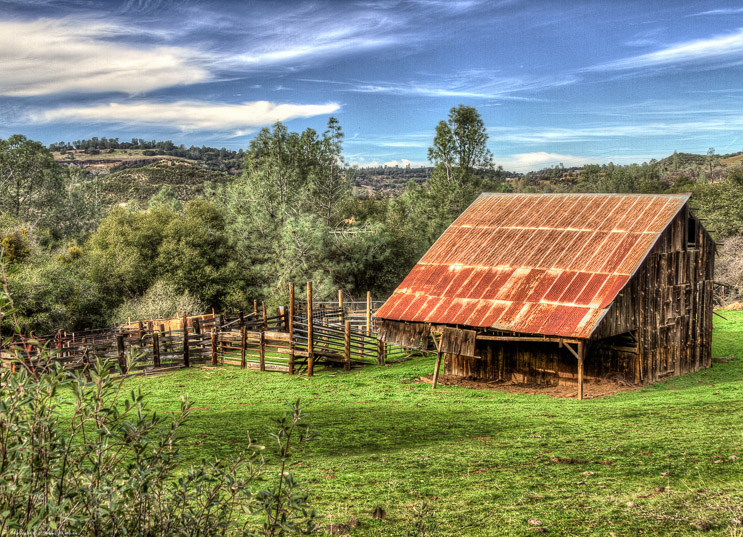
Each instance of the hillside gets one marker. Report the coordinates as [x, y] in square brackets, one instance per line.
[186, 179]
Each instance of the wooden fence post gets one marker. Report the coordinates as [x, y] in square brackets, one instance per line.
[122, 355]
[155, 349]
[243, 344]
[368, 313]
[291, 328]
[196, 326]
[263, 308]
[186, 356]
[140, 327]
[263, 350]
[215, 349]
[310, 335]
[347, 347]
[162, 331]
[340, 304]
[255, 308]
[380, 352]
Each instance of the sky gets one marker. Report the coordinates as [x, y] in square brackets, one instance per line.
[571, 82]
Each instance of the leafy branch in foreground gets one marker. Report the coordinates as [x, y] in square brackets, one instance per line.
[108, 466]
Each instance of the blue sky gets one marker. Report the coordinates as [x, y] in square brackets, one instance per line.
[571, 82]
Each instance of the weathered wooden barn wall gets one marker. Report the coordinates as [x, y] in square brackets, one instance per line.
[525, 362]
[666, 306]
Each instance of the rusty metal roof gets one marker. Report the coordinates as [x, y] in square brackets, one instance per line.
[533, 263]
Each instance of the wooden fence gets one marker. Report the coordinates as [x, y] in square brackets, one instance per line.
[338, 335]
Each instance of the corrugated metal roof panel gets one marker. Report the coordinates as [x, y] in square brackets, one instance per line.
[530, 263]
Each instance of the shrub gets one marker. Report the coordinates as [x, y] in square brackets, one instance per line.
[159, 301]
[113, 468]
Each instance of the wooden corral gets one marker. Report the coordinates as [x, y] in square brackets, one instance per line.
[649, 318]
[293, 339]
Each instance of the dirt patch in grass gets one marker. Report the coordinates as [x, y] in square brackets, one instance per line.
[590, 390]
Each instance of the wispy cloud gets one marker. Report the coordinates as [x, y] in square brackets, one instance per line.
[538, 135]
[714, 48]
[56, 56]
[723, 11]
[186, 115]
[474, 84]
[300, 33]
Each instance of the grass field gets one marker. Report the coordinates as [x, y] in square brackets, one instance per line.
[653, 461]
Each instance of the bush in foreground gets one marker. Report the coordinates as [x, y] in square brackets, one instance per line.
[114, 467]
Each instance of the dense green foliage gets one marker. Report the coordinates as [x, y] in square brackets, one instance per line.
[82, 456]
[652, 461]
[84, 249]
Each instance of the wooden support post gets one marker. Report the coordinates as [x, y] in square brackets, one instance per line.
[186, 356]
[347, 347]
[310, 335]
[581, 356]
[243, 345]
[380, 352]
[140, 328]
[263, 351]
[215, 347]
[325, 333]
[196, 326]
[285, 318]
[221, 321]
[291, 328]
[255, 308]
[368, 312]
[122, 355]
[340, 305]
[155, 349]
[436, 370]
[265, 323]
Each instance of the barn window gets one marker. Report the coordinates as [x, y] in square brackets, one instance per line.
[691, 232]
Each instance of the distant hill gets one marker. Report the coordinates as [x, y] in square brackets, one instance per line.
[187, 180]
[687, 160]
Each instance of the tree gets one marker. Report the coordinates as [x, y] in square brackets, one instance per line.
[461, 158]
[30, 182]
[460, 144]
[329, 185]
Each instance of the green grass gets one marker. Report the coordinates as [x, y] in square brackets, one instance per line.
[487, 462]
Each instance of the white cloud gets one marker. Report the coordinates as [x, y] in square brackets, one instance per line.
[717, 47]
[55, 56]
[186, 115]
[525, 162]
[405, 162]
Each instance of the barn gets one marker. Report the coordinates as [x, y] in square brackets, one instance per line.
[562, 289]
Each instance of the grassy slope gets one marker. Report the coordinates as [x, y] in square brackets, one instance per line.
[487, 462]
[142, 183]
